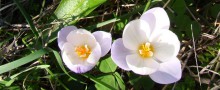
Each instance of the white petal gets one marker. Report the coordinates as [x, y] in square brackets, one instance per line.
[119, 53]
[157, 18]
[169, 72]
[62, 34]
[75, 63]
[166, 45]
[81, 37]
[69, 55]
[95, 55]
[135, 33]
[72, 61]
[141, 66]
[105, 41]
[77, 68]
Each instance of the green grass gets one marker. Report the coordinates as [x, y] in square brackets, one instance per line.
[30, 58]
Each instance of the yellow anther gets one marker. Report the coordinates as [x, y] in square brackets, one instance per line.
[83, 51]
[145, 50]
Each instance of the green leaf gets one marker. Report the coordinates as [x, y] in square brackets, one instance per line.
[215, 10]
[196, 28]
[71, 10]
[140, 82]
[102, 83]
[119, 81]
[178, 6]
[102, 24]
[12, 78]
[17, 63]
[183, 23]
[109, 79]
[74, 9]
[27, 17]
[107, 65]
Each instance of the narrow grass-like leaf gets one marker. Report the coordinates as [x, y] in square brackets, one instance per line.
[119, 80]
[35, 67]
[147, 5]
[74, 9]
[27, 18]
[17, 63]
[102, 23]
[15, 75]
[98, 25]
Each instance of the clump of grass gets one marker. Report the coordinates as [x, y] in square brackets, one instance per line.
[29, 54]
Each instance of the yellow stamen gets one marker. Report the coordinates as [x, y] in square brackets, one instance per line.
[145, 50]
[83, 51]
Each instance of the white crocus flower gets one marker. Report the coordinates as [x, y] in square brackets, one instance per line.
[80, 49]
[148, 47]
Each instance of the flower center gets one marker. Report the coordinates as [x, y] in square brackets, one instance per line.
[83, 51]
[145, 50]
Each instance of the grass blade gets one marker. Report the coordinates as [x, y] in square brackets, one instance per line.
[17, 63]
[27, 18]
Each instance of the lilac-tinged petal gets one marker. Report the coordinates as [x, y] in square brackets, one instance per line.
[135, 33]
[140, 65]
[105, 41]
[81, 68]
[157, 18]
[62, 34]
[95, 55]
[81, 37]
[119, 53]
[169, 72]
[166, 45]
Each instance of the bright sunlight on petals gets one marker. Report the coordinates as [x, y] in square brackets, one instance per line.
[135, 32]
[157, 18]
[142, 66]
[80, 49]
[149, 48]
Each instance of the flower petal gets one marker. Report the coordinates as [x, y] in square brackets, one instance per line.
[169, 72]
[72, 61]
[140, 65]
[62, 34]
[135, 33]
[75, 63]
[105, 41]
[166, 45]
[81, 37]
[69, 54]
[157, 18]
[119, 53]
[95, 55]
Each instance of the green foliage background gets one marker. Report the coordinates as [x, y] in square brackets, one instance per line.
[30, 57]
